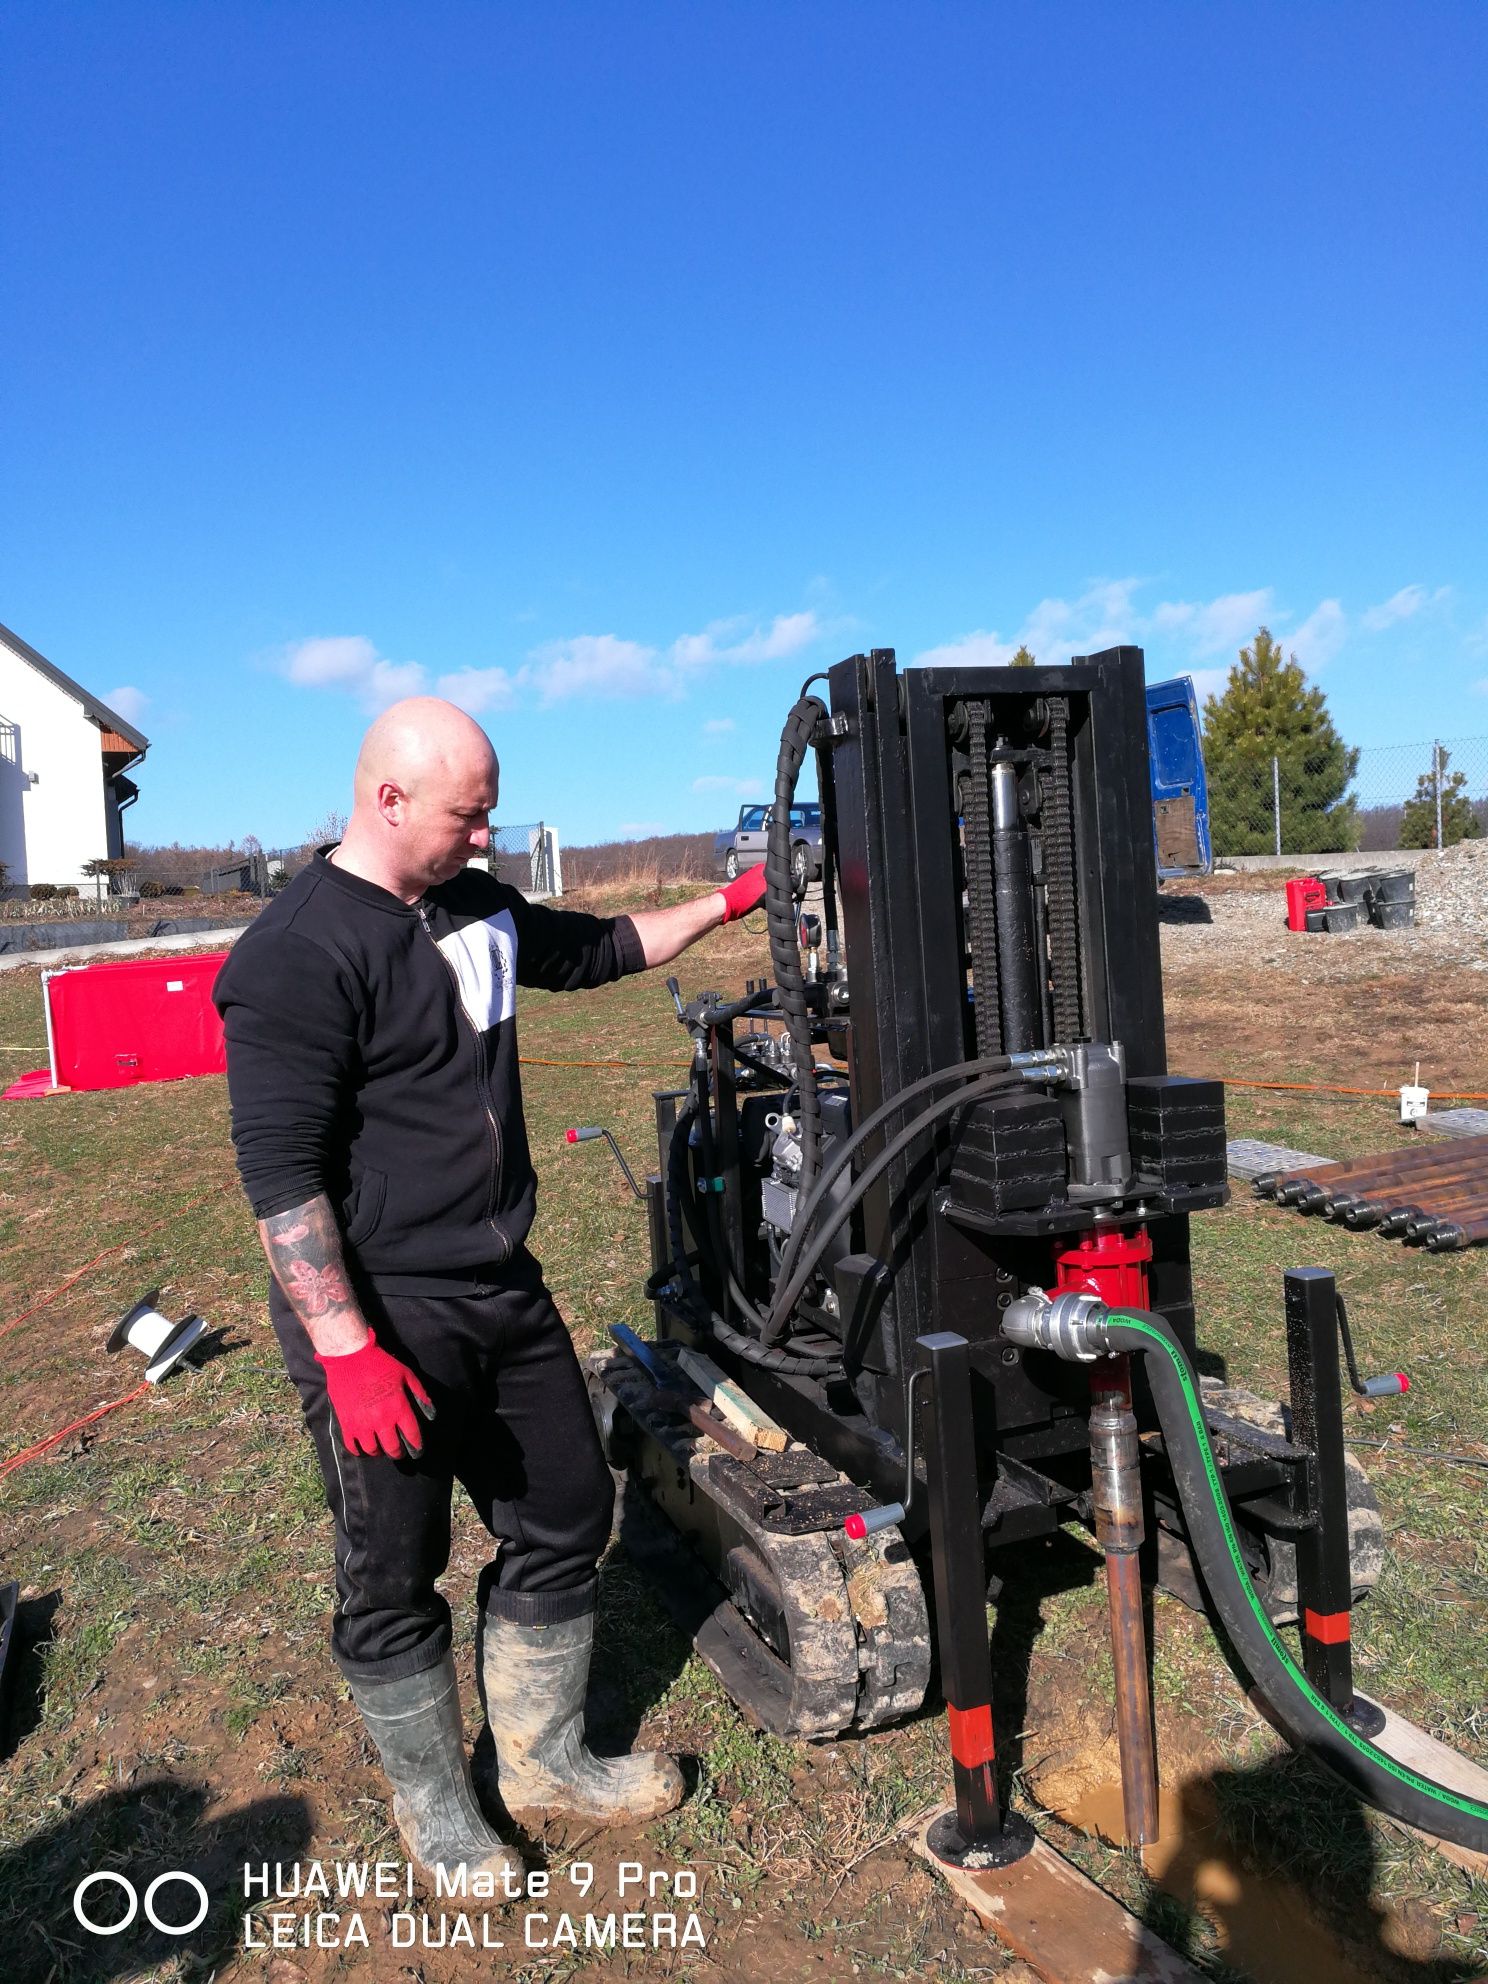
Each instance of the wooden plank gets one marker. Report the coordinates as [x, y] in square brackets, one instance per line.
[1412, 1747]
[734, 1405]
[1065, 1928]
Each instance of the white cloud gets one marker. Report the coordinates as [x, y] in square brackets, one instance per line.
[1319, 638]
[596, 665]
[1208, 682]
[718, 726]
[1402, 605]
[1216, 626]
[350, 662]
[1100, 617]
[128, 702]
[478, 689]
[978, 650]
[743, 788]
[727, 640]
[593, 665]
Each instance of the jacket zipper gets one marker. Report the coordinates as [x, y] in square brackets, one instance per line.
[481, 1086]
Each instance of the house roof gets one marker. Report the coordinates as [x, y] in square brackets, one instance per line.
[101, 714]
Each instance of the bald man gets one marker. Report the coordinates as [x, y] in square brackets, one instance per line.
[377, 1119]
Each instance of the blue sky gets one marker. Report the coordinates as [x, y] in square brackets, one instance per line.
[610, 368]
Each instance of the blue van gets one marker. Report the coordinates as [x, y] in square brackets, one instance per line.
[1180, 795]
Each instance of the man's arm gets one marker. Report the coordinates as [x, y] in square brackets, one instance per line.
[666, 933]
[303, 1247]
[290, 1026]
[371, 1392]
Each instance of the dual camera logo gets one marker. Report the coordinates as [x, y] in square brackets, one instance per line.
[105, 1878]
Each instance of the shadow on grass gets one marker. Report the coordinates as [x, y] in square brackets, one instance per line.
[1280, 1861]
[1039, 1570]
[25, 1669]
[137, 1832]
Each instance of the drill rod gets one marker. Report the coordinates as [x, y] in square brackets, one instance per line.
[1117, 1484]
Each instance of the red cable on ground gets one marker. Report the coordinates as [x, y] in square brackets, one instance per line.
[88, 1266]
[1329, 1088]
[30, 1453]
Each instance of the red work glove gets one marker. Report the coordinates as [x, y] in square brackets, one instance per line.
[744, 893]
[370, 1393]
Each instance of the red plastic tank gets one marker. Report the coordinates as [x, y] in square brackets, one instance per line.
[1303, 894]
[135, 1020]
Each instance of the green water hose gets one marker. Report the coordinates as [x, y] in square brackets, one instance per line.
[1305, 1718]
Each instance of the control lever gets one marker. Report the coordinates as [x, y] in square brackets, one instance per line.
[863, 1522]
[1391, 1385]
[587, 1134]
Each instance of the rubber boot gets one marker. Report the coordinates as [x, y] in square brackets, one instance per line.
[535, 1681]
[415, 1723]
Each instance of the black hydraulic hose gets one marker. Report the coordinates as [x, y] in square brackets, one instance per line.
[679, 1187]
[788, 1292]
[780, 910]
[713, 1212]
[1304, 1716]
[849, 1148]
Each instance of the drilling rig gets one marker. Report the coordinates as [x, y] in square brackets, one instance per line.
[924, 1202]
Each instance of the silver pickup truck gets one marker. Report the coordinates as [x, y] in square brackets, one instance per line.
[743, 845]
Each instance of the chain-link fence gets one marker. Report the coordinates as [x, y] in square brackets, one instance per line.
[1334, 801]
[526, 856]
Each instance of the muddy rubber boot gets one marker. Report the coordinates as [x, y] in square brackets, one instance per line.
[415, 1723]
[535, 1681]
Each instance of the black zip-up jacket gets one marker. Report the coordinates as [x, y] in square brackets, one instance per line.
[372, 1056]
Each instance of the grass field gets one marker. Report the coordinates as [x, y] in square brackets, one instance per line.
[177, 1707]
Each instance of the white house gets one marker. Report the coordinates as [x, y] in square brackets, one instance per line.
[64, 757]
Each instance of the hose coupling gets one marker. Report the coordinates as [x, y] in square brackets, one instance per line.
[1072, 1325]
[1042, 1064]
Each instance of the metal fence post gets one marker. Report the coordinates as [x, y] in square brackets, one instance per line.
[1276, 796]
[1436, 779]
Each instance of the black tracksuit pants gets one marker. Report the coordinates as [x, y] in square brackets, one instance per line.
[512, 1424]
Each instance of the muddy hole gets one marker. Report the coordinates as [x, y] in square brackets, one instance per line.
[1266, 1924]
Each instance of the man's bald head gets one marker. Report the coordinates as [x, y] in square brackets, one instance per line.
[420, 738]
[426, 781]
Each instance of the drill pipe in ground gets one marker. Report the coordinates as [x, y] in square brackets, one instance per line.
[1116, 1483]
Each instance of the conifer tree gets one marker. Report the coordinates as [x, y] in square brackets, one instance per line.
[1022, 659]
[1459, 821]
[1267, 710]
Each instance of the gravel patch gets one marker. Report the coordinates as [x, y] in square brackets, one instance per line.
[1248, 925]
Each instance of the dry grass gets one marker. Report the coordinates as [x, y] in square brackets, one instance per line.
[183, 1710]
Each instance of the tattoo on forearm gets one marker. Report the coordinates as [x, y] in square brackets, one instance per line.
[304, 1249]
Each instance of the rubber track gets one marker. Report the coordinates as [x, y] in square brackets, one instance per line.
[856, 1615]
